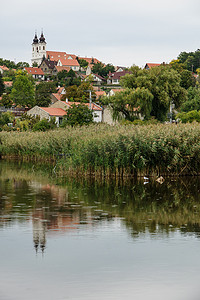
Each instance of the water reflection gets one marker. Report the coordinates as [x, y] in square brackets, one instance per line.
[55, 206]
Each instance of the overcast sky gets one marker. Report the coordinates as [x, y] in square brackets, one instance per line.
[122, 32]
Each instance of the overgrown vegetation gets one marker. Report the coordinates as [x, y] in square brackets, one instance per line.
[112, 151]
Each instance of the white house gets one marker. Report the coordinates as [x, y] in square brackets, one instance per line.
[37, 73]
[97, 111]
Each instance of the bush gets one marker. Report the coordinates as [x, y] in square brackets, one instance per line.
[189, 117]
[44, 125]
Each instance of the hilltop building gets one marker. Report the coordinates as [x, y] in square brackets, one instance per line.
[38, 49]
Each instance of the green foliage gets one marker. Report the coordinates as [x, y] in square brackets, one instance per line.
[22, 93]
[6, 101]
[12, 65]
[130, 103]
[34, 65]
[43, 93]
[2, 87]
[6, 118]
[193, 100]
[163, 82]
[78, 115]
[102, 70]
[82, 62]
[44, 125]
[189, 117]
[79, 93]
[113, 150]
[191, 60]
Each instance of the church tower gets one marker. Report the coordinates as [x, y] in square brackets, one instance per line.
[38, 49]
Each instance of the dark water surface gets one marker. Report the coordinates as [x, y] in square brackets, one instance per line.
[65, 239]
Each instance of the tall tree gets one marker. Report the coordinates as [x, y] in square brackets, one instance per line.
[43, 93]
[22, 93]
[131, 103]
[78, 115]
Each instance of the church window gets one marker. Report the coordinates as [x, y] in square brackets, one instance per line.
[40, 47]
[43, 47]
[33, 48]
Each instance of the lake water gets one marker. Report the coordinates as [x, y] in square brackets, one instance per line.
[76, 239]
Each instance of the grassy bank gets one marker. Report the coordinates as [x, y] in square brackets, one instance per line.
[106, 150]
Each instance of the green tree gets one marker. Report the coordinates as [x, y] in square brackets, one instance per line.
[82, 62]
[2, 87]
[79, 93]
[164, 84]
[22, 93]
[130, 104]
[102, 70]
[78, 115]
[43, 93]
[6, 100]
[34, 65]
[189, 117]
[193, 100]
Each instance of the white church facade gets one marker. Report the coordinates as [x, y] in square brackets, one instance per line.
[38, 49]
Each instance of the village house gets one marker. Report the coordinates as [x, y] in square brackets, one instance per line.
[48, 67]
[151, 65]
[48, 113]
[112, 92]
[114, 78]
[97, 111]
[37, 73]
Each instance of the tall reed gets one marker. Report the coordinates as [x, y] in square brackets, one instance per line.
[112, 150]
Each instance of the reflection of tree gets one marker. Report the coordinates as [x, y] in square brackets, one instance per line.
[53, 208]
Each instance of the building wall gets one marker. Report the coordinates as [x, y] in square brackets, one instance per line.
[37, 111]
[97, 115]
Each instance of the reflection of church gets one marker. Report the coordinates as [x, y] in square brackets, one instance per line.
[39, 234]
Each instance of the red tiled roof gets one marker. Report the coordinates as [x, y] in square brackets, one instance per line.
[118, 75]
[93, 105]
[56, 55]
[151, 65]
[117, 90]
[4, 68]
[60, 89]
[57, 95]
[36, 71]
[61, 68]
[68, 62]
[8, 83]
[100, 93]
[57, 112]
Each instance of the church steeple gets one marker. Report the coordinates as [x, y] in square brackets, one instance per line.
[35, 40]
[38, 49]
[42, 38]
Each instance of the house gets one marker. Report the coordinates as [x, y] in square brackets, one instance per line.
[48, 113]
[57, 96]
[97, 111]
[114, 91]
[69, 62]
[64, 59]
[151, 65]
[8, 84]
[97, 79]
[48, 66]
[37, 73]
[114, 78]
[3, 69]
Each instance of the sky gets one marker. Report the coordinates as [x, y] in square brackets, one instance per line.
[121, 32]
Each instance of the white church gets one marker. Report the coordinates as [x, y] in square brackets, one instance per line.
[38, 49]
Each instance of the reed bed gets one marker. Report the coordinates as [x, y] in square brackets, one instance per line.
[105, 150]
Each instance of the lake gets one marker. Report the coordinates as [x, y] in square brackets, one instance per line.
[63, 238]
